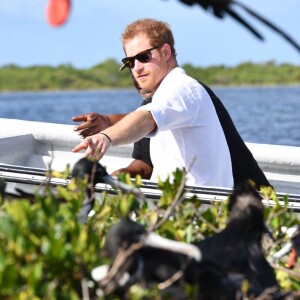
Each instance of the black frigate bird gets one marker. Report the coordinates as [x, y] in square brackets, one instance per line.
[237, 249]
[94, 172]
[218, 264]
[58, 12]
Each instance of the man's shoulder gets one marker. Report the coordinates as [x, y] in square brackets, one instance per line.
[177, 79]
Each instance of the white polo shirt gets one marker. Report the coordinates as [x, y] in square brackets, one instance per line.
[189, 133]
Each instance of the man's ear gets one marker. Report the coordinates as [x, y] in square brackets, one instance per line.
[167, 52]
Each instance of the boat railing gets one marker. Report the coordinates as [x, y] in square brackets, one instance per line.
[48, 145]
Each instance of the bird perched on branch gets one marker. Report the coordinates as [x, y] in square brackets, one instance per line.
[94, 173]
[218, 264]
[58, 12]
[237, 249]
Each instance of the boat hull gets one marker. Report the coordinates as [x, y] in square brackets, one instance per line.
[29, 148]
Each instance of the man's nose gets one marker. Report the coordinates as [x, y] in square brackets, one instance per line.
[138, 65]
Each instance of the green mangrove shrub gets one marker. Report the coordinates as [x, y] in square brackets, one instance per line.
[46, 253]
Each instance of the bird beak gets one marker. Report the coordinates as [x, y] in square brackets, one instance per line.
[123, 187]
[283, 251]
[155, 241]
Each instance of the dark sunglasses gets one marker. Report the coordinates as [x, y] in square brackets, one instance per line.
[143, 57]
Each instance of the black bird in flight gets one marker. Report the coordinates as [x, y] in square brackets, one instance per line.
[221, 8]
[219, 264]
[58, 11]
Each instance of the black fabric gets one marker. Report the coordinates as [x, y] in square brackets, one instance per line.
[141, 148]
[141, 151]
[244, 165]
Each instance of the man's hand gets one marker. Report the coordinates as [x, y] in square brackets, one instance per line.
[136, 167]
[93, 123]
[95, 146]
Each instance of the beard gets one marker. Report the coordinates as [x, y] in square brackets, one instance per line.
[146, 94]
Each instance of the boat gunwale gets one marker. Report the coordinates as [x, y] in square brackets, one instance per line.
[40, 177]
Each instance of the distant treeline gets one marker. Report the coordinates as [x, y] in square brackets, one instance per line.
[106, 75]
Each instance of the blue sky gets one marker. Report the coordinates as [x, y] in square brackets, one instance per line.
[92, 33]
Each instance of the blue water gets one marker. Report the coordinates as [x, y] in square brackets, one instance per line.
[262, 114]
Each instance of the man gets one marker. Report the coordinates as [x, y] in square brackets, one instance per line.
[244, 166]
[181, 120]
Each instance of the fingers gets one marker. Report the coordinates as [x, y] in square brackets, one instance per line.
[90, 146]
[96, 154]
[80, 147]
[80, 118]
[117, 172]
[88, 120]
[87, 145]
[92, 124]
[85, 117]
[83, 126]
[94, 146]
[89, 131]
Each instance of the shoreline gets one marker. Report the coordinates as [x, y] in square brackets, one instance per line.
[292, 85]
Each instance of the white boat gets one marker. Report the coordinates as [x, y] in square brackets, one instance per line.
[28, 149]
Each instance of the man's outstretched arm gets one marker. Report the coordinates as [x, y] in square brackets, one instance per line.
[131, 128]
[94, 122]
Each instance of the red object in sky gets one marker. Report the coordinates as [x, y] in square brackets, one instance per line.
[57, 11]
